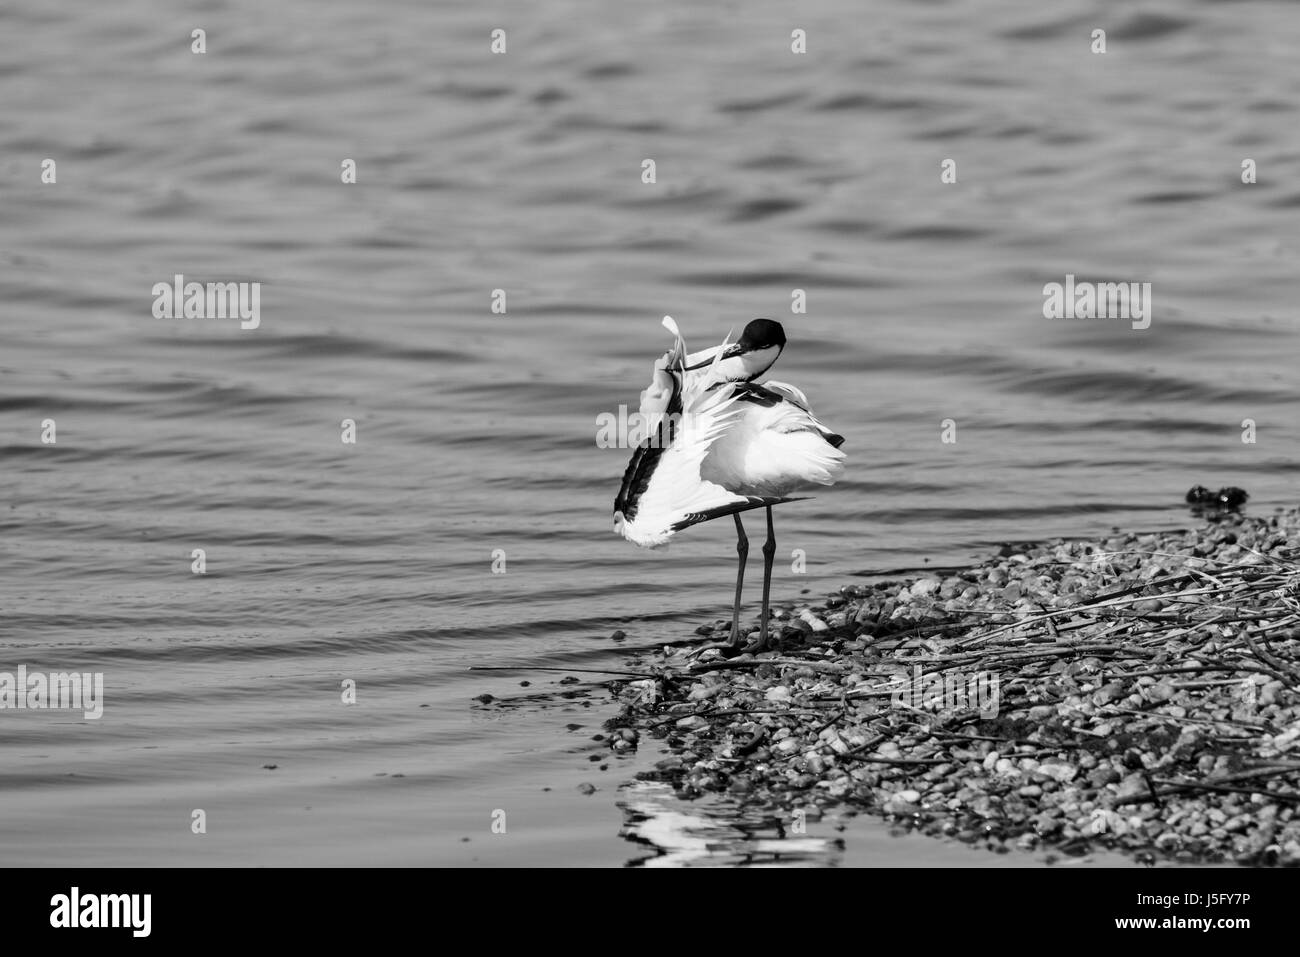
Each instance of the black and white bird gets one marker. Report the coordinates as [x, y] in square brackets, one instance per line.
[722, 444]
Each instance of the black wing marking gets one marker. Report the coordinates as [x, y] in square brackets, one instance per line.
[636, 477]
[767, 398]
[755, 501]
[645, 459]
[754, 393]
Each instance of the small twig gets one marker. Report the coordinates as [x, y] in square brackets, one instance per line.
[729, 712]
[1178, 787]
[592, 671]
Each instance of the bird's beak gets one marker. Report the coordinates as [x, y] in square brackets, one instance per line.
[712, 356]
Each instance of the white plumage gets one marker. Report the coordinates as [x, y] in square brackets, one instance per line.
[677, 492]
[771, 451]
[724, 444]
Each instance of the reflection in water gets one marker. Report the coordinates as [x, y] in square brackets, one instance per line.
[470, 522]
[703, 835]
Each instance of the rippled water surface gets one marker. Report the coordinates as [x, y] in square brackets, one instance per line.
[476, 431]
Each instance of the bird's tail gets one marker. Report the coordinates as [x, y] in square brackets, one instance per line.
[815, 447]
[822, 463]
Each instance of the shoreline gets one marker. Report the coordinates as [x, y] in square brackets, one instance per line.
[1138, 693]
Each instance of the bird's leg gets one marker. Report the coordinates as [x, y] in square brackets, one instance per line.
[742, 550]
[769, 554]
[731, 647]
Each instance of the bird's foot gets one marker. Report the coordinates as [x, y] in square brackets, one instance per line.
[730, 648]
[764, 642]
[725, 649]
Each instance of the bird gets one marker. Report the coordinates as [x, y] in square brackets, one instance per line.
[721, 443]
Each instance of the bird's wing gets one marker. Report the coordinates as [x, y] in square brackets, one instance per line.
[796, 397]
[675, 490]
[790, 393]
[710, 412]
[744, 503]
[669, 494]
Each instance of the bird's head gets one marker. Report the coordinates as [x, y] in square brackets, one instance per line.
[758, 347]
[762, 334]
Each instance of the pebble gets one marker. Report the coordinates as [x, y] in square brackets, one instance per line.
[1064, 773]
[1133, 785]
[898, 806]
[1074, 772]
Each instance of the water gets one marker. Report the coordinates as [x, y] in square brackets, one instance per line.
[372, 563]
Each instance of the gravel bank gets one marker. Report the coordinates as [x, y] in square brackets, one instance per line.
[1140, 693]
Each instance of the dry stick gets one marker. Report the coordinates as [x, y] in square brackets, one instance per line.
[1285, 676]
[1196, 685]
[1105, 601]
[891, 689]
[904, 762]
[733, 664]
[1268, 658]
[1112, 600]
[1193, 670]
[1280, 623]
[1238, 615]
[593, 671]
[1123, 623]
[819, 745]
[1170, 719]
[874, 693]
[1201, 573]
[1232, 665]
[833, 721]
[1053, 634]
[1245, 588]
[983, 657]
[1274, 557]
[1113, 629]
[1013, 660]
[956, 722]
[1051, 625]
[865, 746]
[728, 712]
[897, 762]
[985, 737]
[1176, 787]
